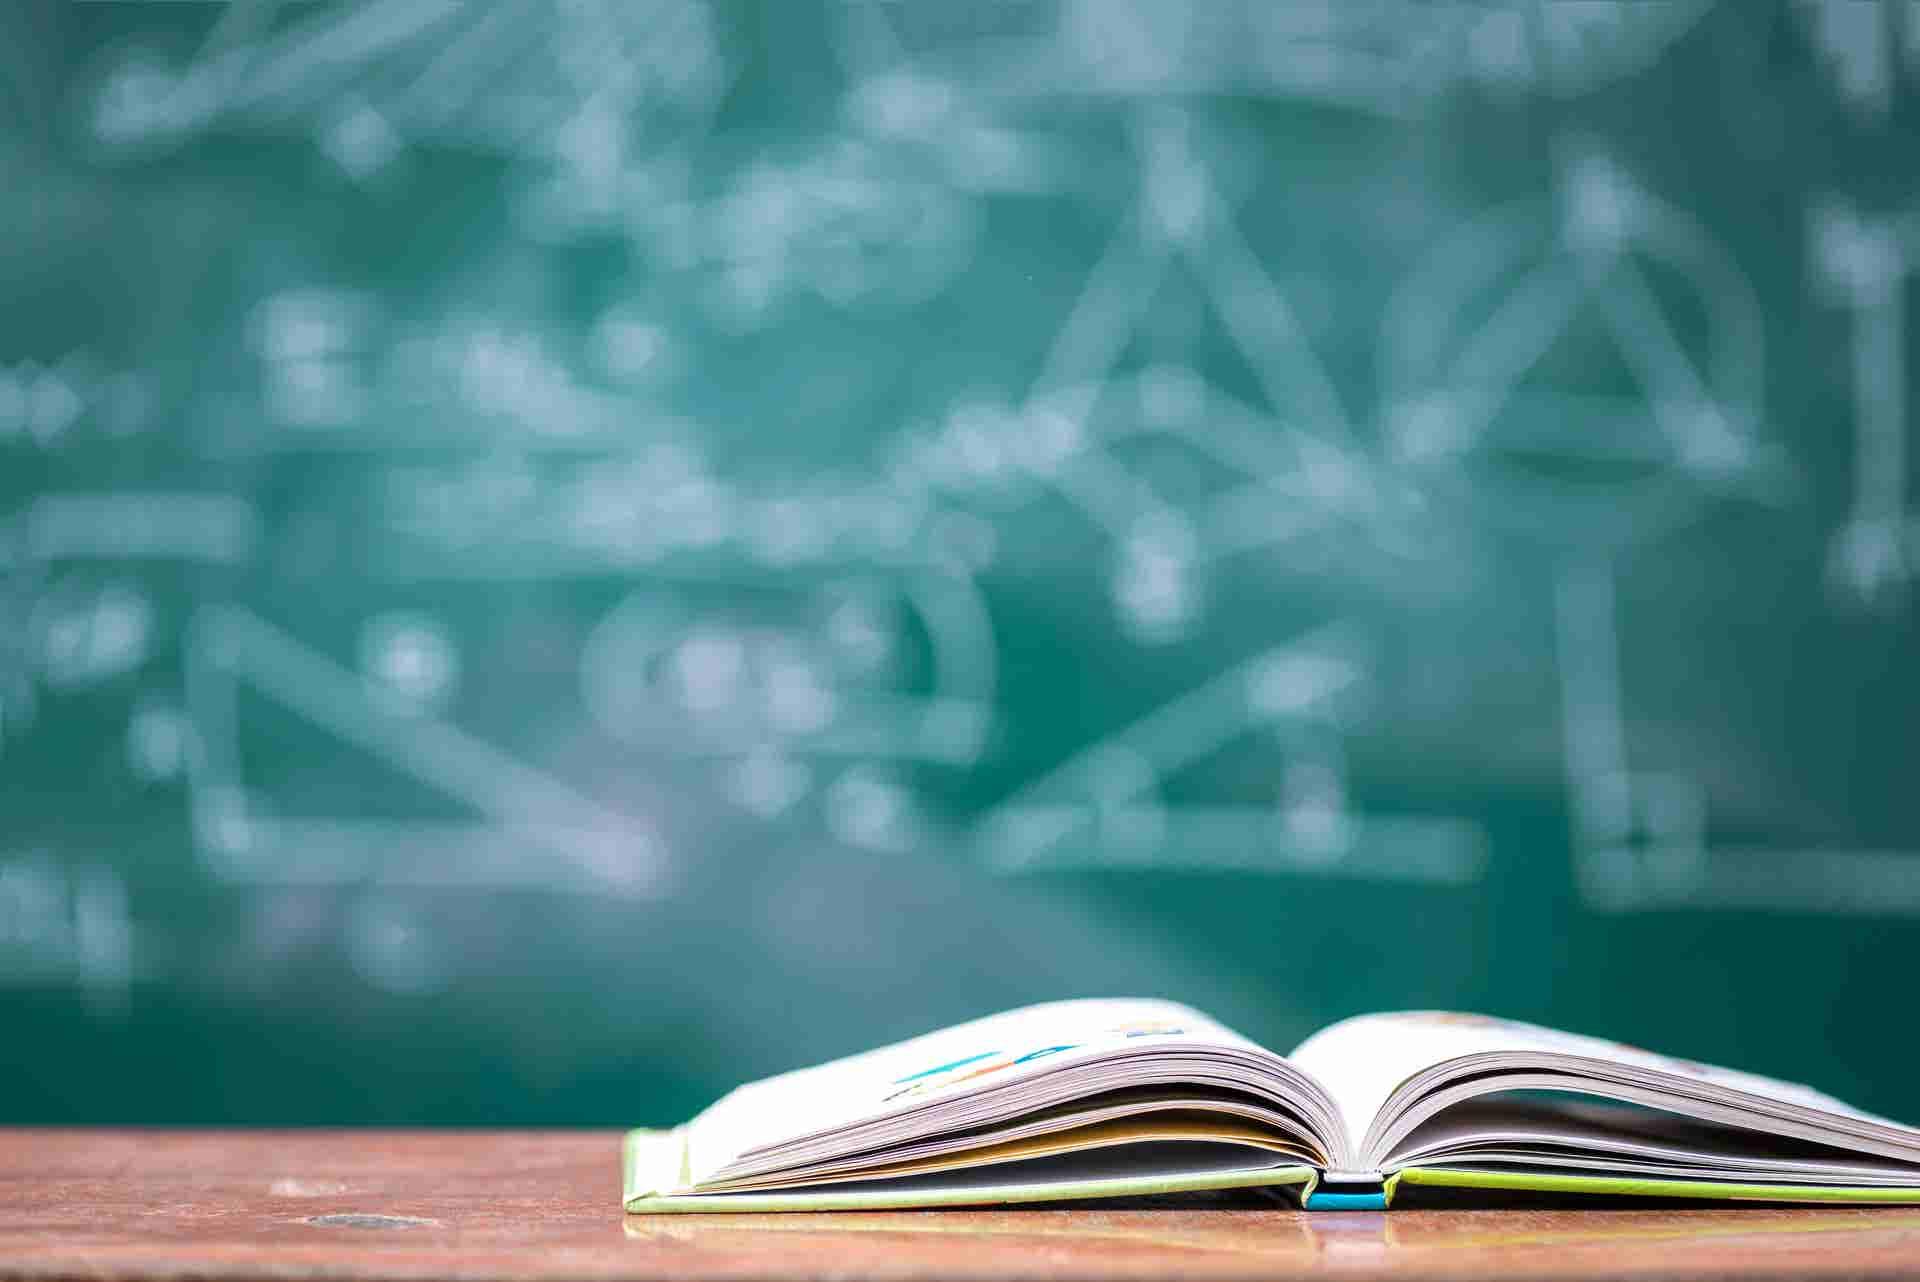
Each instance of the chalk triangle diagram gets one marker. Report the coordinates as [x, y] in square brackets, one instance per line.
[1180, 227]
[531, 831]
[1268, 475]
[1543, 369]
[1102, 807]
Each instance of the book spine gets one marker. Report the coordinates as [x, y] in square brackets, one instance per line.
[1348, 1191]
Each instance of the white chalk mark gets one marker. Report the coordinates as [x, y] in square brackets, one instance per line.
[1864, 263]
[1592, 722]
[216, 529]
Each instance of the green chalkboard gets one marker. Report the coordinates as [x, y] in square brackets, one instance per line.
[558, 555]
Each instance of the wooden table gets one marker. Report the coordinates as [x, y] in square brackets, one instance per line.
[517, 1205]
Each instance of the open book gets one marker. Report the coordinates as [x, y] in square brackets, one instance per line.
[1105, 1098]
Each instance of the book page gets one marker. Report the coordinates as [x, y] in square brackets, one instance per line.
[1551, 1130]
[1244, 1146]
[1362, 1060]
[1002, 1048]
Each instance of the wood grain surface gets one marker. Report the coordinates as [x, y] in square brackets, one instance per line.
[353, 1205]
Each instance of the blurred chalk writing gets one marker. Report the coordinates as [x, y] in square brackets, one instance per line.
[741, 503]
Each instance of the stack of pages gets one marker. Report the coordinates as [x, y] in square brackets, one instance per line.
[1105, 1098]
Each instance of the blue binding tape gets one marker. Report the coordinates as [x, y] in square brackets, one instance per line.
[1347, 1201]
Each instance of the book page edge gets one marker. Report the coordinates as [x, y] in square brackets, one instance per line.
[642, 1199]
[1638, 1186]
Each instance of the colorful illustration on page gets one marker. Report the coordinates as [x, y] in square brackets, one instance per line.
[965, 1069]
[1148, 1028]
[968, 1067]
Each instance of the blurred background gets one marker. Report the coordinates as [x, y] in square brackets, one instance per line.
[559, 555]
